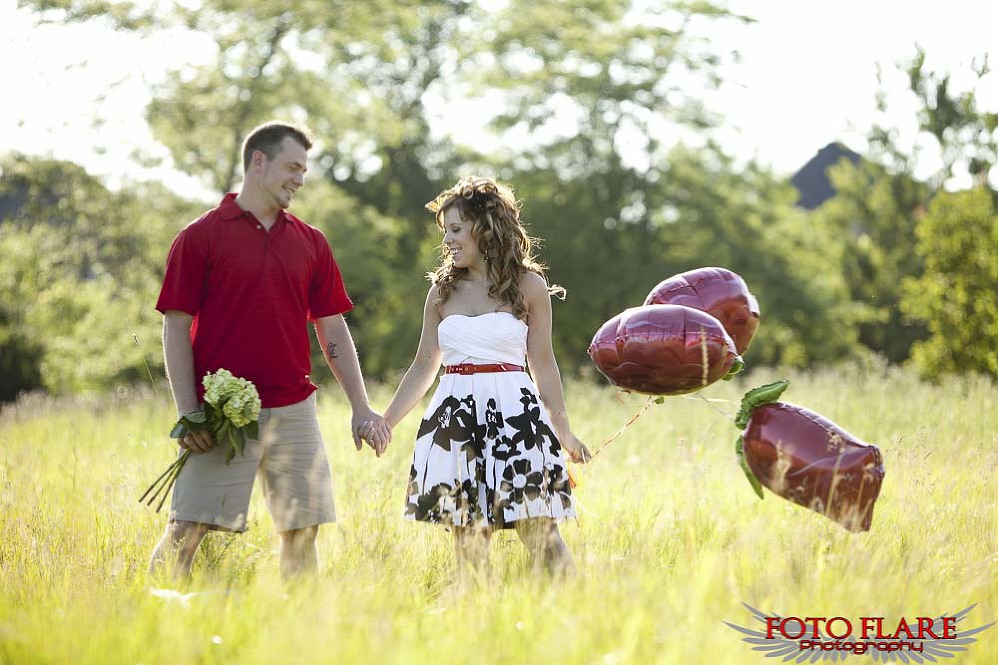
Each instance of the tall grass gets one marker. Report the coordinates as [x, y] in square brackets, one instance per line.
[670, 540]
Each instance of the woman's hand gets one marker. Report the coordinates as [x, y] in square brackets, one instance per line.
[575, 449]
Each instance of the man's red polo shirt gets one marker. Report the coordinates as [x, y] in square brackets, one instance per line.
[252, 293]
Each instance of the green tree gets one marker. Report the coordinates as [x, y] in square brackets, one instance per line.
[949, 118]
[703, 213]
[874, 214]
[956, 294]
[880, 201]
[82, 267]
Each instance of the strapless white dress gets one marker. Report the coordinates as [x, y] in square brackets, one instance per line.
[486, 454]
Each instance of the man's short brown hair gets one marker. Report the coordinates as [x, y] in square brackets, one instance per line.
[267, 138]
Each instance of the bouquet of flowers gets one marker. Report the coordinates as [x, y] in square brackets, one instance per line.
[231, 410]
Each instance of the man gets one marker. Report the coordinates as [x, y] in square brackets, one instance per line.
[242, 282]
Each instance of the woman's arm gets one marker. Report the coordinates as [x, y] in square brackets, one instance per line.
[544, 367]
[420, 375]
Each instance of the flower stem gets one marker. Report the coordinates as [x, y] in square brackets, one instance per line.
[173, 479]
[165, 479]
[157, 481]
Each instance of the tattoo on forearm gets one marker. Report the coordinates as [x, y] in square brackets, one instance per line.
[330, 351]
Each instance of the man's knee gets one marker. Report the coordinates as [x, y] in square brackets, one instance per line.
[304, 535]
[181, 531]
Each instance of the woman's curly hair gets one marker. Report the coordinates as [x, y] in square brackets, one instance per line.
[495, 215]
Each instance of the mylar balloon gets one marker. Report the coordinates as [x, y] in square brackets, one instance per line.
[806, 458]
[717, 291]
[663, 350]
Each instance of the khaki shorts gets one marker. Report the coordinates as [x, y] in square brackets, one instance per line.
[290, 459]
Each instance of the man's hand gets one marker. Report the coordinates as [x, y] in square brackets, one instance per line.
[373, 427]
[197, 441]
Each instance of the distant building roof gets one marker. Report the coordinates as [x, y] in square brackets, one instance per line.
[812, 179]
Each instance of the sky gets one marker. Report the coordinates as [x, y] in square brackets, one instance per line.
[807, 77]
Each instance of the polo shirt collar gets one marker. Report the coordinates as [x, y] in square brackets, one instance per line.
[229, 209]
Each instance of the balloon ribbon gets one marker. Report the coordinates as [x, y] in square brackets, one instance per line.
[651, 400]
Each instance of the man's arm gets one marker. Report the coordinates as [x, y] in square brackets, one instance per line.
[341, 356]
[179, 356]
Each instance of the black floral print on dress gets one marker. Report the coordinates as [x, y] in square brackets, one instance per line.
[531, 430]
[556, 480]
[519, 483]
[426, 506]
[493, 420]
[452, 421]
[523, 469]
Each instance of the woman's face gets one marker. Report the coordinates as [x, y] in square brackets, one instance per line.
[463, 248]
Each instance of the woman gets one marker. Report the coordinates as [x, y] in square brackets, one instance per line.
[488, 453]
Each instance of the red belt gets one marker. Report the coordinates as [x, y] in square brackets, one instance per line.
[469, 368]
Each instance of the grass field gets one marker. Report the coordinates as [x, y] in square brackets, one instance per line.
[670, 540]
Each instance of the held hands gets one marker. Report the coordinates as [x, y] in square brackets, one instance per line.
[575, 449]
[373, 428]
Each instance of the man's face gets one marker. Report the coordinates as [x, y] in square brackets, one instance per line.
[285, 173]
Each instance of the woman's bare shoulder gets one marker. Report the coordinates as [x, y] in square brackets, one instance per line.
[532, 284]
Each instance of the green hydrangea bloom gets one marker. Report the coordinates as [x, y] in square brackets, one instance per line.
[238, 398]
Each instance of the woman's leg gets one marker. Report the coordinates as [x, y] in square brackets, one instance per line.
[541, 538]
[471, 548]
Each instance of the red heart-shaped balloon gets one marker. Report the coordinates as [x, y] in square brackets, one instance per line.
[806, 458]
[662, 349]
[717, 291]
